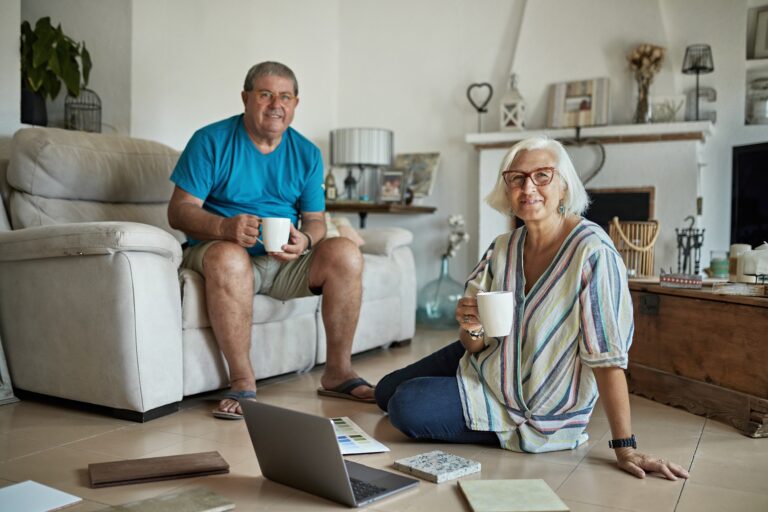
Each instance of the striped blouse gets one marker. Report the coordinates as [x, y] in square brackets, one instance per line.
[535, 388]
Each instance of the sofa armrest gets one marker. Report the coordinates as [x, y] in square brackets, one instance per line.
[383, 241]
[87, 239]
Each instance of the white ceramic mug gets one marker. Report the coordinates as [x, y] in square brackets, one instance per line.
[275, 232]
[497, 310]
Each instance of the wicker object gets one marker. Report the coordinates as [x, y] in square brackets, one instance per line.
[635, 241]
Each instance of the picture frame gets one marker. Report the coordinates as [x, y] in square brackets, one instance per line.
[420, 171]
[761, 34]
[667, 109]
[392, 186]
[578, 103]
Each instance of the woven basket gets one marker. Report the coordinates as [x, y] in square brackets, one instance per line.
[635, 241]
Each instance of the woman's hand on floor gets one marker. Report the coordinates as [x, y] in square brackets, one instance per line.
[637, 463]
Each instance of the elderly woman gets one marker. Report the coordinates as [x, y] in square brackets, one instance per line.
[535, 389]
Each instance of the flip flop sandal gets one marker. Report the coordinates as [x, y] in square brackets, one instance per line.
[233, 395]
[344, 390]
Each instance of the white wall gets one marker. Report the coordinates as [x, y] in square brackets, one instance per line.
[105, 26]
[10, 94]
[405, 66]
[190, 58]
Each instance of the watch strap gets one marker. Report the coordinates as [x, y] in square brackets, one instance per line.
[627, 442]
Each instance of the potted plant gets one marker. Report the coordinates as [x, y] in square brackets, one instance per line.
[48, 58]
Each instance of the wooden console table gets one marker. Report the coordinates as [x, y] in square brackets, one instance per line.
[363, 209]
[704, 352]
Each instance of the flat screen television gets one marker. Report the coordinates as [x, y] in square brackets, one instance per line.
[749, 198]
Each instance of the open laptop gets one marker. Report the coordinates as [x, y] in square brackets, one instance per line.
[300, 450]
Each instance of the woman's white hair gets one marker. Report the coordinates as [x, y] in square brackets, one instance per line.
[575, 200]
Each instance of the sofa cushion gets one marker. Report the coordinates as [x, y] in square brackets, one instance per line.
[32, 211]
[62, 176]
[65, 164]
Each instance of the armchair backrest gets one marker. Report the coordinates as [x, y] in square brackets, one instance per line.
[61, 176]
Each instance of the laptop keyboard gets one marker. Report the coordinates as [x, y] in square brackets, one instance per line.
[364, 490]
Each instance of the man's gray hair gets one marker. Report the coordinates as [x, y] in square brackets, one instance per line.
[269, 68]
[576, 199]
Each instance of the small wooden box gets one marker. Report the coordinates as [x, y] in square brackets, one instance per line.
[704, 352]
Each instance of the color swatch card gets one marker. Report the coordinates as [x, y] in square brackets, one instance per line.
[437, 466]
[511, 496]
[31, 496]
[353, 440]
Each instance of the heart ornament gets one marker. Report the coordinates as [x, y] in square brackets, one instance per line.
[599, 154]
[475, 91]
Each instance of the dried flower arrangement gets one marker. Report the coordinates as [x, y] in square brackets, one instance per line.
[645, 61]
[457, 236]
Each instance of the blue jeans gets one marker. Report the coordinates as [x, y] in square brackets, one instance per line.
[423, 400]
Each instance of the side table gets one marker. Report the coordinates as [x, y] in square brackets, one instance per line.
[363, 209]
[702, 351]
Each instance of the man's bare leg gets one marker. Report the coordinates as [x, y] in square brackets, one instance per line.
[229, 298]
[337, 268]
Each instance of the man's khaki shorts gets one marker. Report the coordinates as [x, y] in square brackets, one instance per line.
[279, 280]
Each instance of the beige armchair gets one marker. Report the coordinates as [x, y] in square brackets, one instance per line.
[93, 307]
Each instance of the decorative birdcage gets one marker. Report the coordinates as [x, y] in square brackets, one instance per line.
[83, 112]
[635, 241]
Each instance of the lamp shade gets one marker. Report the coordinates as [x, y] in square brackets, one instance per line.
[698, 59]
[361, 146]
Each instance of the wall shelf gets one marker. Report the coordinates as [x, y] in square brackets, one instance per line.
[612, 134]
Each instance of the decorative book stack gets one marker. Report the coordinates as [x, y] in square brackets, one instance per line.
[437, 466]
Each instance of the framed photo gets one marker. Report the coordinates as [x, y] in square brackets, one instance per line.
[667, 109]
[761, 34]
[420, 170]
[392, 186]
[581, 103]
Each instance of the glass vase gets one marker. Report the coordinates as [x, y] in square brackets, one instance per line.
[437, 300]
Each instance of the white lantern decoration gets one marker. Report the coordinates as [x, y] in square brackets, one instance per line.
[512, 107]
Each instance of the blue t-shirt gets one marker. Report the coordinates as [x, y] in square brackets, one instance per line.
[222, 166]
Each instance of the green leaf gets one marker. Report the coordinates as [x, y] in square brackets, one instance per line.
[42, 48]
[85, 58]
[54, 86]
[53, 64]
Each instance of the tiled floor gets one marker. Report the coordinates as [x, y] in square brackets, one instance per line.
[54, 445]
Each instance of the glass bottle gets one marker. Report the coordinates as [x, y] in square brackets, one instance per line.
[437, 299]
[331, 192]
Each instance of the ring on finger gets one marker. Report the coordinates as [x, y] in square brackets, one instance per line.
[466, 318]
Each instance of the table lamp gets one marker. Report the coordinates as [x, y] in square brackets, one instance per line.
[698, 60]
[361, 148]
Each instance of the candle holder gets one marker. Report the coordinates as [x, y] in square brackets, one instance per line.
[689, 242]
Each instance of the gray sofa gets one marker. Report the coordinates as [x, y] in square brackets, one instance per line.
[94, 308]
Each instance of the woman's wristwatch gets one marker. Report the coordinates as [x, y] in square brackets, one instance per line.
[627, 442]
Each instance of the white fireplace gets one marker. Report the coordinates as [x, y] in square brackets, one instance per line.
[667, 157]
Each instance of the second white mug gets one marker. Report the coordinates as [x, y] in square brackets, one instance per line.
[497, 311]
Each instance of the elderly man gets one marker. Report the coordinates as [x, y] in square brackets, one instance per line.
[232, 174]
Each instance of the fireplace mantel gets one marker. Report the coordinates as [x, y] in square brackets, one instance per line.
[672, 165]
[614, 134]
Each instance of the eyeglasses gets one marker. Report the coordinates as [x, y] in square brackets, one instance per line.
[540, 177]
[265, 97]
